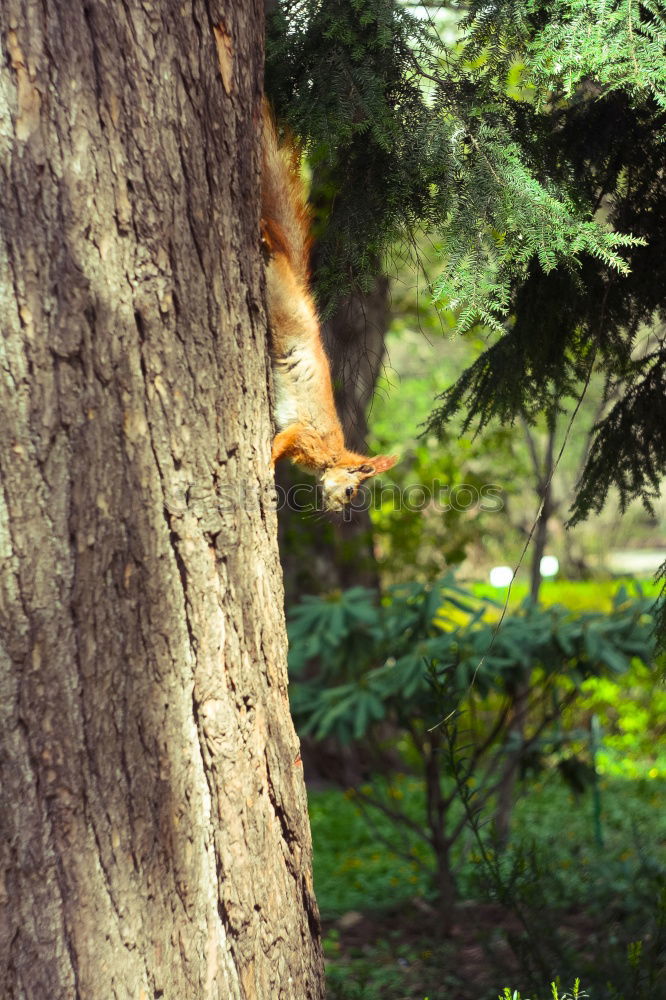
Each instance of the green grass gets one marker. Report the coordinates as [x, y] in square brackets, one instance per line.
[612, 889]
[579, 595]
[354, 870]
[393, 969]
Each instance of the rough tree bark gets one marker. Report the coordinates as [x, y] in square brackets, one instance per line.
[155, 839]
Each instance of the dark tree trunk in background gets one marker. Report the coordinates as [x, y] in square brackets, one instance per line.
[544, 492]
[354, 338]
[155, 838]
[317, 554]
[543, 475]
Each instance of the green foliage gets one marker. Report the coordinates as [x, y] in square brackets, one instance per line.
[630, 707]
[525, 220]
[604, 900]
[371, 655]
[631, 711]
[634, 434]
[342, 75]
[412, 542]
[375, 976]
[571, 325]
[631, 899]
[354, 870]
[617, 44]
[391, 968]
[575, 993]
[408, 131]
[422, 659]
[485, 472]
[576, 595]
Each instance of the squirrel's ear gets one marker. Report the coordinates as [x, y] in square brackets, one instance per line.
[380, 463]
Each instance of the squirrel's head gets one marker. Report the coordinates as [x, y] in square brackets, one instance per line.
[340, 482]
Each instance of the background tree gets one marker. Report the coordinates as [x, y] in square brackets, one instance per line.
[541, 195]
[155, 838]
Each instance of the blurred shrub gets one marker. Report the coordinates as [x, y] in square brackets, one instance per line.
[407, 669]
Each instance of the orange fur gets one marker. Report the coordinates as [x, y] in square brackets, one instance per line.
[283, 204]
[310, 433]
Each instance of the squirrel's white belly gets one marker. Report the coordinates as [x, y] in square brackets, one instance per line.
[286, 410]
[293, 376]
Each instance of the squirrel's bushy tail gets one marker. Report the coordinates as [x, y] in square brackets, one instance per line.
[285, 217]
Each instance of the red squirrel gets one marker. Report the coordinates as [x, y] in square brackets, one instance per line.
[309, 429]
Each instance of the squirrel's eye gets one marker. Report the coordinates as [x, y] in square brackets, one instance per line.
[349, 492]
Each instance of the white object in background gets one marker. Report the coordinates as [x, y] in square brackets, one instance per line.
[640, 562]
[549, 566]
[501, 576]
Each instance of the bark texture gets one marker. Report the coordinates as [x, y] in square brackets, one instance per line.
[155, 839]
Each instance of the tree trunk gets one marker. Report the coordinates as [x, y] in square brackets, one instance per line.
[319, 556]
[506, 794]
[354, 337]
[155, 839]
[544, 490]
[436, 812]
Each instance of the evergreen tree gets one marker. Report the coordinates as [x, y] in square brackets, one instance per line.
[530, 149]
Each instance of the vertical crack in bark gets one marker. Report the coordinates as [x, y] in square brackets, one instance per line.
[98, 69]
[172, 534]
[288, 834]
[47, 802]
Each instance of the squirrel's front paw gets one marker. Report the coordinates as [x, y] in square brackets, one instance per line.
[284, 442]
